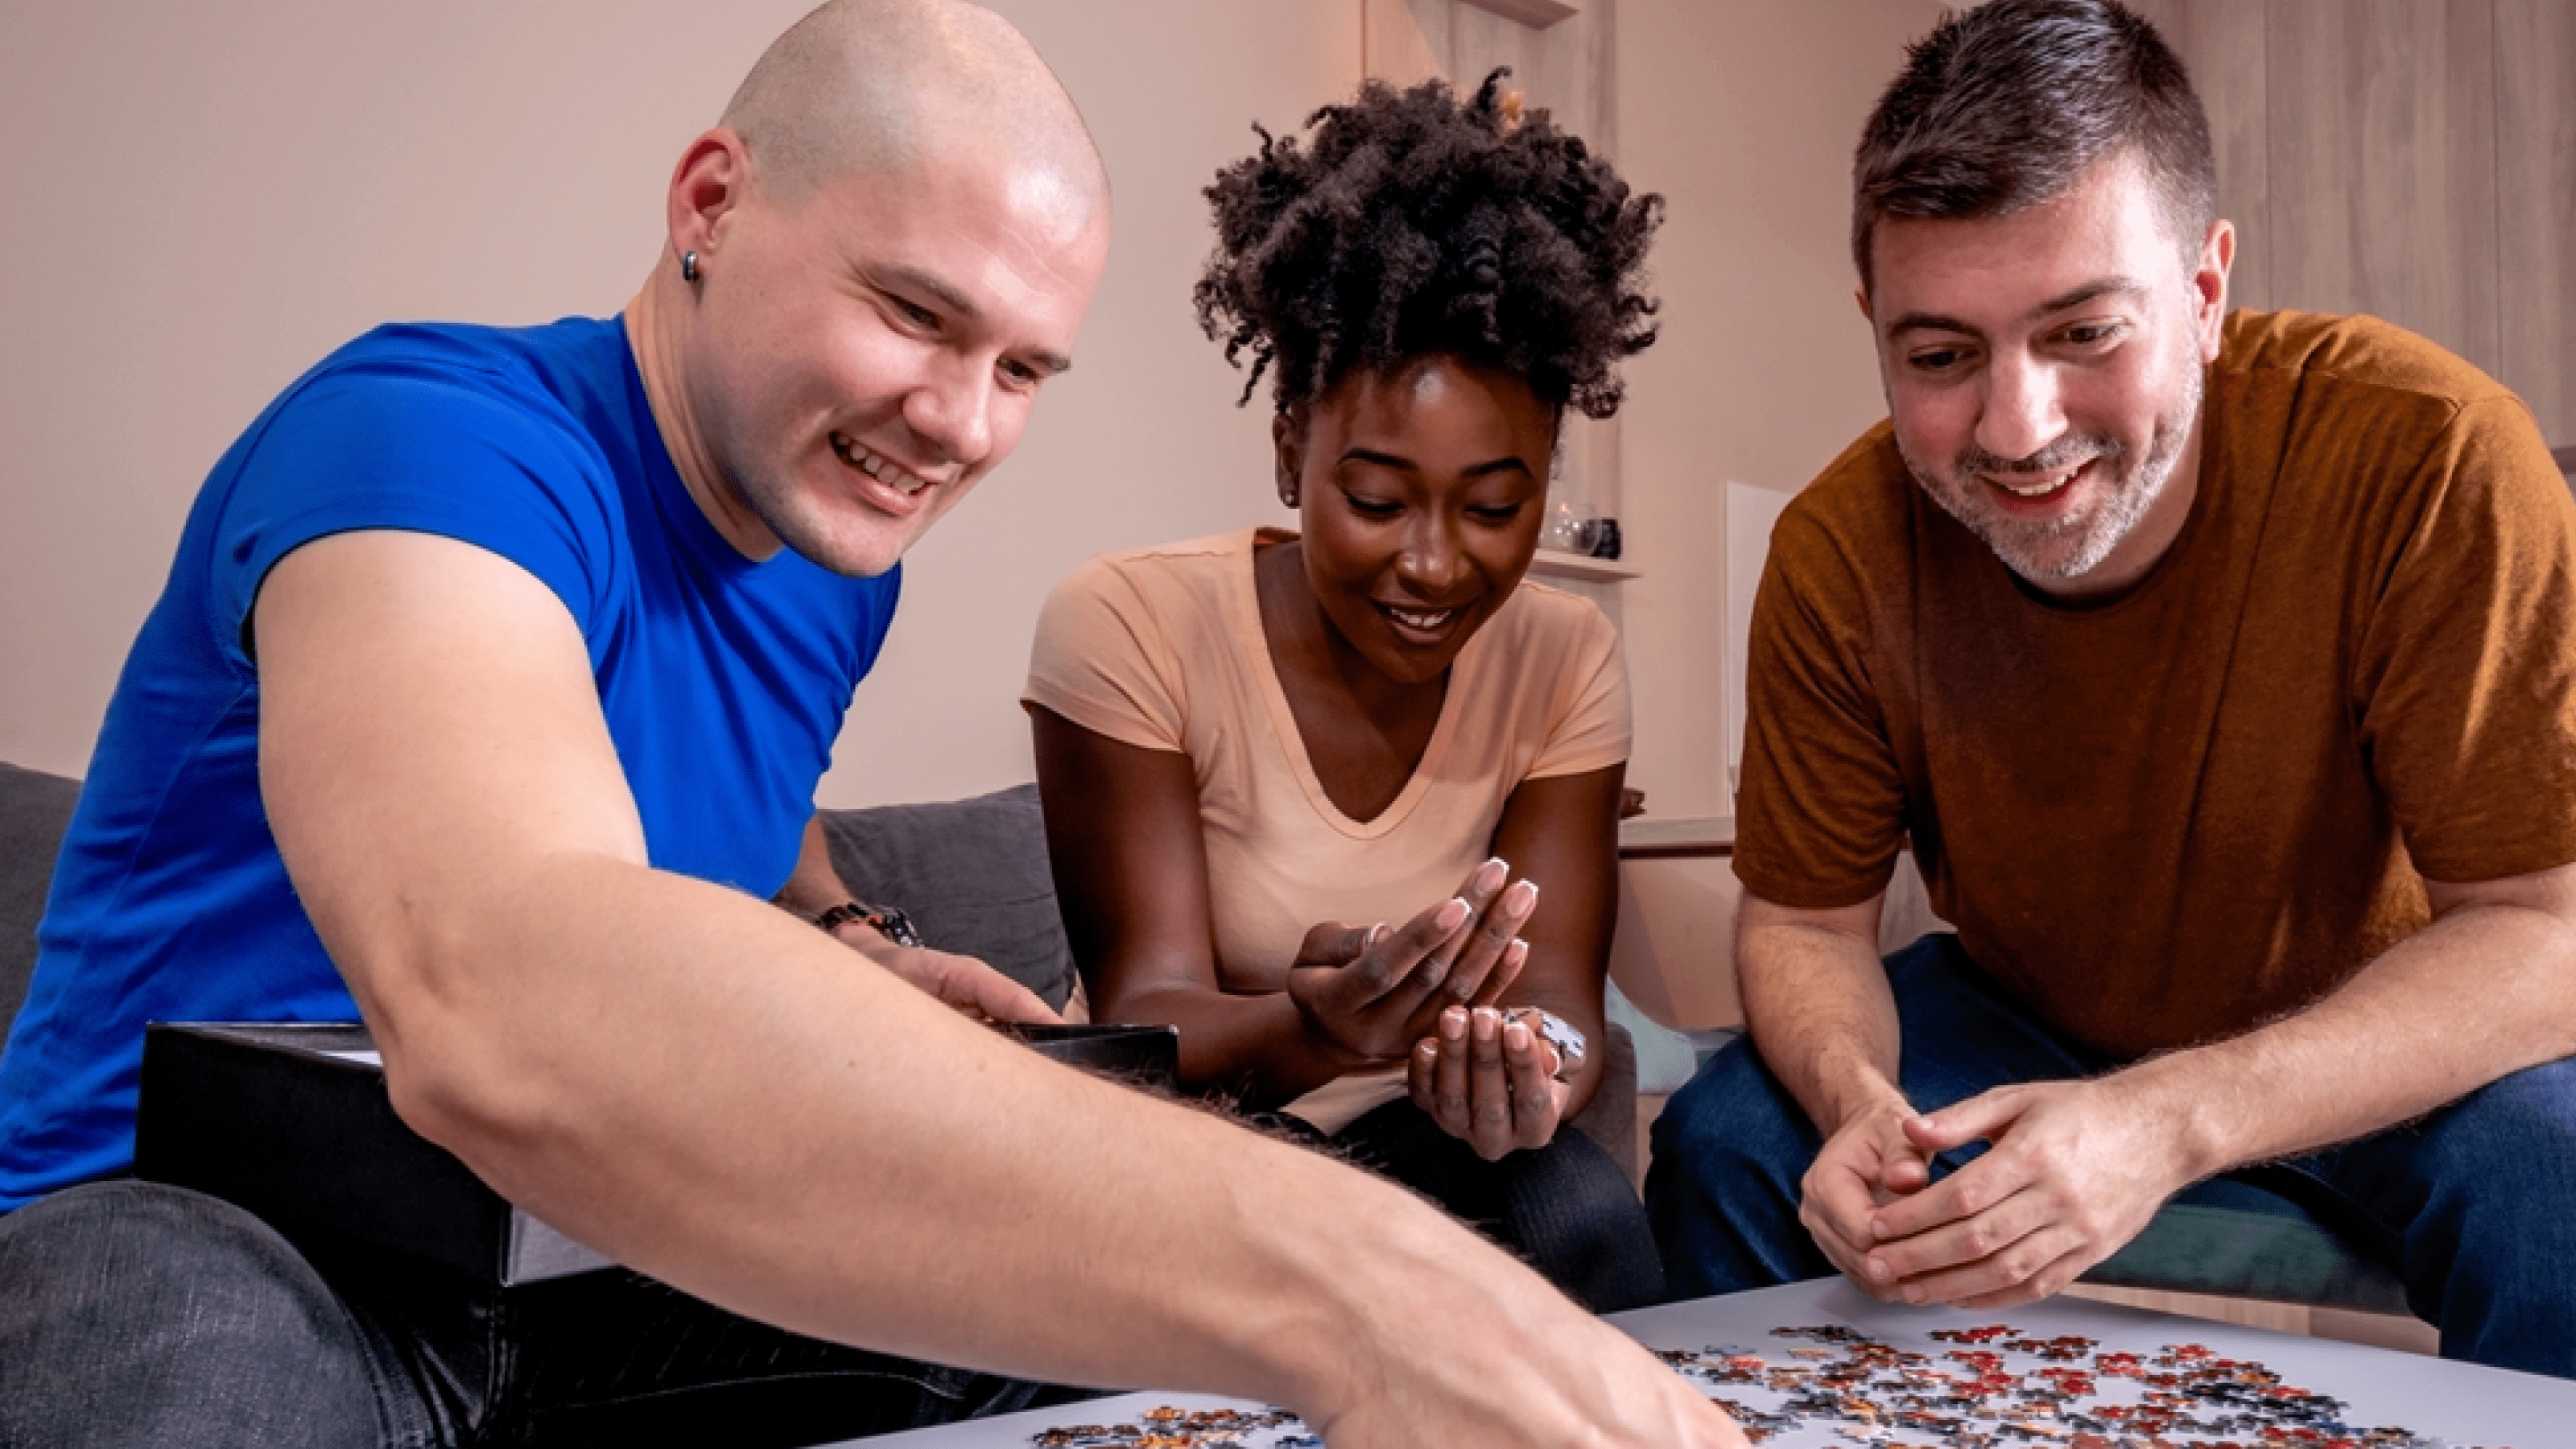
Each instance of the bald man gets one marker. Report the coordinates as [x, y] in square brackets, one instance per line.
[487, 700]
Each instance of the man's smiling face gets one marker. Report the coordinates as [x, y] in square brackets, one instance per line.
[873, 348]
[2044, 369]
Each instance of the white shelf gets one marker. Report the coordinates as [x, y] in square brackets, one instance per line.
[1557, 564]
[1536, 14]
[1653, 835]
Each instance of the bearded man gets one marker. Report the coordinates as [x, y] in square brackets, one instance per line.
[2218, 671]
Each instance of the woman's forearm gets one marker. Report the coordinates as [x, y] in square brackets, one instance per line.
[1257, 1047]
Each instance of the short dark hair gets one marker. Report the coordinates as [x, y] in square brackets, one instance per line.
[1414, 224]
[2006, 106]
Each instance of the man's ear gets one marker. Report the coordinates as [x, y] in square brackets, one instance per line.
[713, 177]
[1860, 294]
[2209, 285]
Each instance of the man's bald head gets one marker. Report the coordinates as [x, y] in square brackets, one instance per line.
[882, 87]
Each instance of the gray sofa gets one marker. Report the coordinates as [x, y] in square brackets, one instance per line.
[973, 875]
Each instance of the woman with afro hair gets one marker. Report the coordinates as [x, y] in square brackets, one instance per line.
[1341, 803]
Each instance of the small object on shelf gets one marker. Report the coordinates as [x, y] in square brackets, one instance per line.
[1605, 538]
[1558, 564]
[1572, 527]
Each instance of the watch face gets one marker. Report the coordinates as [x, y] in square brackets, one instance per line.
[894, 925]
[1557, 1032]
[887, 921]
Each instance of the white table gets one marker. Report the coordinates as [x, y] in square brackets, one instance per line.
[2450, 1403]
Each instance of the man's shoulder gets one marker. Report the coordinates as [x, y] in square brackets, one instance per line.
[470, 347]
[1859, 515]
[557, 401]
[562, 373]
[2357, 351]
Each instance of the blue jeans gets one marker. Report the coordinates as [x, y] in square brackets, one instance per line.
[2474, 1206]
[139, 1314]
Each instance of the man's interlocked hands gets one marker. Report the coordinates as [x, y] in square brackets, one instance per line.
[2072, 1171]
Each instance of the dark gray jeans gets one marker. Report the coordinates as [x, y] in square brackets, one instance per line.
[138, 1314]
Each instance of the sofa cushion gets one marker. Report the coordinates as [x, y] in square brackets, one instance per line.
[972, 874]
[2233, 1239]
[35, 809]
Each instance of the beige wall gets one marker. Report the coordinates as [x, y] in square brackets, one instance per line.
[1141, 442]
[205, 199]
[211, 197]
[1744, 114]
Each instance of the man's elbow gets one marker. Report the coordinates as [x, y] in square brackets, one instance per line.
[461, 1051]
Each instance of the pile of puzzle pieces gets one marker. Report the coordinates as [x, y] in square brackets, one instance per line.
[1838, 1385]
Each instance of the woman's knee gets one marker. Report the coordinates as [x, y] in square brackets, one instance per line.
[1573, 1210]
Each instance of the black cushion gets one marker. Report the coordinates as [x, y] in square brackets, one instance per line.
[35, 809]
[972, 874]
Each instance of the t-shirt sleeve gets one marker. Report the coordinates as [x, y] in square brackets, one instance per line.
[2466, 679]
[1103, 660]
[1820, 805]
[1590, 729]
[417, 448]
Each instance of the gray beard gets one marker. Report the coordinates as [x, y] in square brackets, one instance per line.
[2068, 547]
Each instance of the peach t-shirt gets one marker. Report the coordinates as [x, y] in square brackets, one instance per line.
[1162, 648]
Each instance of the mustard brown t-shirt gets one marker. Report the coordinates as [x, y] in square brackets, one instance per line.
[2188, 810]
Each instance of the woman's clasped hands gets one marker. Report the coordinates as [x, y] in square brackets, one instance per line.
[1425, 993]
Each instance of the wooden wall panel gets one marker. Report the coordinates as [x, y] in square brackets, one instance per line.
[2535, 50]
[1564, 68]
[2382, 169]
[2223, 44]
[1405, 41]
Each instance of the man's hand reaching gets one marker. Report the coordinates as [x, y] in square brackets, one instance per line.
[963, 982]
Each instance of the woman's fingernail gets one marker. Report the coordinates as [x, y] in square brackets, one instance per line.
[1453, 914]
[1523, 896]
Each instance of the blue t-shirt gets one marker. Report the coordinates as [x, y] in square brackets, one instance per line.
[723, 682]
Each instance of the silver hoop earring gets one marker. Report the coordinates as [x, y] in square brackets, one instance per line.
[688, 266]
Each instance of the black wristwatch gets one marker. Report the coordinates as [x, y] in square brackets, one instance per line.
[889, 921]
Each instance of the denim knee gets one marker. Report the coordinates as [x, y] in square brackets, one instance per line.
[1730, 1151]
[141, 1314]
[2491, 1255]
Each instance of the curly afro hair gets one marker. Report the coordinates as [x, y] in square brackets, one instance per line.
[1412, 225]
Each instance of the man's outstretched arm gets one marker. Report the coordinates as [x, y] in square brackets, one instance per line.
[696, 1083]
[2078, 1168]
